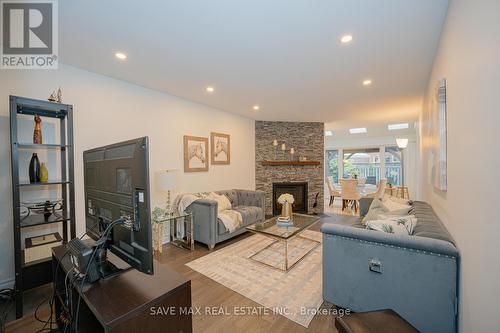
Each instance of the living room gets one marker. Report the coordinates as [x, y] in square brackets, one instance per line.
[249, 166]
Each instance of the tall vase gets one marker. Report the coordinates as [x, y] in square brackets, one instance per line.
[34, 171]
[286, 210]
[37, 132]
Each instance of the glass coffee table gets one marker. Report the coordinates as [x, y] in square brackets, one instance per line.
[288, 246]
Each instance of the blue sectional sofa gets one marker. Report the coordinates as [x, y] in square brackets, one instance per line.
[415, 275]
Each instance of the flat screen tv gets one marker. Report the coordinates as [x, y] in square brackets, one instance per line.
[116, 182]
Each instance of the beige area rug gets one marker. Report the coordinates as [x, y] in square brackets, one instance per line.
[295, 294]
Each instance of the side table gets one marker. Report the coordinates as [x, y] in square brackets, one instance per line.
[181, 230]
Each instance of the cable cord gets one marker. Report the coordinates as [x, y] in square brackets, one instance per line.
[100, 243]
[6, 301]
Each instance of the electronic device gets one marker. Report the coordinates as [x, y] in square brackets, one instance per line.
[80, 255]
[117, 205]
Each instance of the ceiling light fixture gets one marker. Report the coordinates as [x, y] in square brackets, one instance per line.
[367, 82]
[358, 130]
[121, 55]
[256, 107]
[346, 39]
[328, 133]
[392, 127]
[210, 89]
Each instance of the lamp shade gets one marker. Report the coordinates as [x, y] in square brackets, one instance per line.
[167, 180]
[402, 143]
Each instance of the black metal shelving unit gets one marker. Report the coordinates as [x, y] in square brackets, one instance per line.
[39, 272]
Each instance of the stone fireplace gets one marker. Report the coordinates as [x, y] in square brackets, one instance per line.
[307, 139]
[299, 192]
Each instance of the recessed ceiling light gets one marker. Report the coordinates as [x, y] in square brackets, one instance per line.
[358, 130]
[210, 89]
[328, 133]
[346, 39]
[256, 107]
[367, 82]
[392, 127]
[120, 55]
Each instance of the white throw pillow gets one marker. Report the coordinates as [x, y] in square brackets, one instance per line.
[399, 225]
[223, 202]
[396, 208]
[398, 200]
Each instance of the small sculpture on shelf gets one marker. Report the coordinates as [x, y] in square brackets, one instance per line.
[37, 132]
[56, 96]
[53, 97]
[59, 95]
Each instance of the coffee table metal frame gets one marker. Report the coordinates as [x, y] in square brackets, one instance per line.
[284, 241]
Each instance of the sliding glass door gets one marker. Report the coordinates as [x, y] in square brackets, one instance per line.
[332, 165]
[362, 163]
[393, 165]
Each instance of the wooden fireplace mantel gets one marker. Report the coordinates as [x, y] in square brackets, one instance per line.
[295, 163]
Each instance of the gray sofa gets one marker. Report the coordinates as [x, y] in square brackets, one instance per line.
[415, 275]
[208, 229]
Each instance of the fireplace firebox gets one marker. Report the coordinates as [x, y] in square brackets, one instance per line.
[299, 192]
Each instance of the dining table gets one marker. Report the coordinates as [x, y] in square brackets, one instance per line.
[363, 189]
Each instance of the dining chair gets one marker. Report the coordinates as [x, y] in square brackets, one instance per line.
[361, 181]
[333, 192]
[379, 194]
[350, 194]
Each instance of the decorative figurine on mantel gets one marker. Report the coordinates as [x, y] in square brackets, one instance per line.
[275, 145]
[37, 132]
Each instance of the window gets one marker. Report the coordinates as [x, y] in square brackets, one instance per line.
[393, 165]
[362, 163]
[332, 165]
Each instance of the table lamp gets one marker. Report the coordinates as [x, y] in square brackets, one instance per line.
[166, 181]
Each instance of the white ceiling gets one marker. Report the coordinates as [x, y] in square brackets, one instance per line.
[282, 54]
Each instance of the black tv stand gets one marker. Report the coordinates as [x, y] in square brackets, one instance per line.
[103, 307]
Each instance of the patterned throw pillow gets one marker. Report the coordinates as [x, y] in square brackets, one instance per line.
[378, 207]
[399, 225]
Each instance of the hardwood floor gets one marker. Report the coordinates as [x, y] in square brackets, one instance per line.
[208, 293]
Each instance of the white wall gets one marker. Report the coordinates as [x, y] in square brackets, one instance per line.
[107, 111]
[469, 59]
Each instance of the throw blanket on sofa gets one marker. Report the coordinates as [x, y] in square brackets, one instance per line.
[231, 219]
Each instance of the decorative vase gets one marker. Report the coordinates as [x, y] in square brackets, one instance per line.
[34, 171]
[37, 132]
[44, 173]
[286, 210]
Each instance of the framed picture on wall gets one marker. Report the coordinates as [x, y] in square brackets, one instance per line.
[221, 148]
[195, 154]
